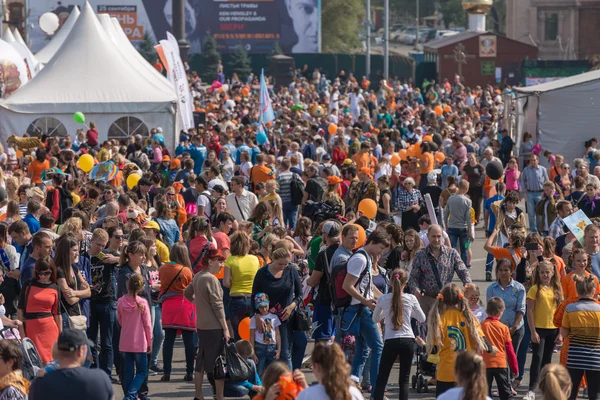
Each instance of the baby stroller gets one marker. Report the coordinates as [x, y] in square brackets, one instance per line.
[419, 382]
[31, 358]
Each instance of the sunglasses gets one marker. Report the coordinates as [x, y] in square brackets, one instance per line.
[44, 273]
[119, 236]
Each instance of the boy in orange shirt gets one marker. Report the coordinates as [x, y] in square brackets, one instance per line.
[499, 336]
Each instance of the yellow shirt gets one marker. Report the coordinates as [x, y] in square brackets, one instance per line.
[545, 306]
[243, 269]
[455, 338]
[163, 252]
[76, 199]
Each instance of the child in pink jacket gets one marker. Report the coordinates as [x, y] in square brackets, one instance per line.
[133, 313]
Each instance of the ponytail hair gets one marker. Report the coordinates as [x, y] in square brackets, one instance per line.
[135, 247]
[469, 371]
[585, 285]
[451, 296]
[555, 382]
[398, 279]
[334, 370]
[135, 284]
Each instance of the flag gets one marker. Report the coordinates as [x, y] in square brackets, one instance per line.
[266, 110]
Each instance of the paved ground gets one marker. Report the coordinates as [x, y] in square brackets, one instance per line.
[178, 389]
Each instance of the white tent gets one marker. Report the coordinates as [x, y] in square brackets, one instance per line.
[16, 41]
[50, 49]
[561, 114]
[90, 74]
[19, 39]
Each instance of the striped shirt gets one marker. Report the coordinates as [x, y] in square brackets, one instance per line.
[582, 319]
[284, 181]
[533, 178]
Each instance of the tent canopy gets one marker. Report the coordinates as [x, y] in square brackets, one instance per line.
[574, 80]
[50, 49]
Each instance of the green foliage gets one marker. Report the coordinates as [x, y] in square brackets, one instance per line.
[276, 49]
[454, 14]
[147, 49]
[341, 25]
[240, 63]
[210, 59]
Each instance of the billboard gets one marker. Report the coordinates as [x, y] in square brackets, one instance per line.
[257, 25]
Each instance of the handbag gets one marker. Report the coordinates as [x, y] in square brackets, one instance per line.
[220, 370]
[300, 321]
[237, 368]
[350, 322]
[78, 322]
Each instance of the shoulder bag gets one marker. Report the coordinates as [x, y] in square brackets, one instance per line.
[299, 319]
[160, 297]
[78, 322]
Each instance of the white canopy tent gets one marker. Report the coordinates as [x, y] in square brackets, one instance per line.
[90, 74]
[50, 49]
[562, 114]
[17, 42]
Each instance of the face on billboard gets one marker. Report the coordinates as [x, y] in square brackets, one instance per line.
[305, 18]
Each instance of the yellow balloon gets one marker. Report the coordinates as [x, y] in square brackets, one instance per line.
[132, 181]
[86, 163]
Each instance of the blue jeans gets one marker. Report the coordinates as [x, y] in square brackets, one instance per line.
[265, 354]
[534, 220]
[324, 319]
[88, 359]
[190, 350]
[158, 335]
[298, 349]
[102, 315]
[369, 338]
[290, 214]
[239, 308]
[134, 364]
[489, 263]
[459, 237]
[523, 349]
[287, 343]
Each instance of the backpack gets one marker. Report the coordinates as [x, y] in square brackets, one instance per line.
[340, 297]
[296, 189]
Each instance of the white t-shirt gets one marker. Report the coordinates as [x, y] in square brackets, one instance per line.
[317, 392]
[479, 313]
[203, 200]
[300, 158]
[246, 167]
[410, 309]
[355, 267]
[268, 335]
[454, 394]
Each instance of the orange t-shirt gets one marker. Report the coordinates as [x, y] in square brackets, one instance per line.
[568, 285]
[261, 173]
[363, 160]
[36, 169]
[560, 266]
[430, 160]
[167, 273]
[501, 252]
[498, 335]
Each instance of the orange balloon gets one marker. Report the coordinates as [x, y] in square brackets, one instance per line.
[245, 91]
[427, 138]
[402, 154]
[438, 110]
[395, 159]
[244, 328]
[447, 108]
[362, 237]
[368, 207]
[332, 129]
[440, 157]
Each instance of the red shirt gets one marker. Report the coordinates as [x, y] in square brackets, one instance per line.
[92, 137]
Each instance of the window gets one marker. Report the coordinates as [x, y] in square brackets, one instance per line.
[47, 126]
[551, 27]
[125, 127]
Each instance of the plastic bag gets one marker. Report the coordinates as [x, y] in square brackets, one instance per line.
[237, 368]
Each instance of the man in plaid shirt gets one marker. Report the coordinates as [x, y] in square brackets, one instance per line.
[557, 227]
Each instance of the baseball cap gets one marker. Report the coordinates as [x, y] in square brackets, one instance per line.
[132, 214]
[166, 158]
[332, 180]
[219, 189]
[72, 340]
[347, 161]
[152, 225]
[326, 157]
[261, 300]
[332, 228]
[366, 170]
[184, 138]
[175, 163]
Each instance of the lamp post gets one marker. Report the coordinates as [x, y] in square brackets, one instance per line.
[386, 41]
[417, 33]
[368, 36]
[179, 28]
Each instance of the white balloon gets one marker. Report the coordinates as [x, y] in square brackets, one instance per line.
[49, 22]
[225, 88]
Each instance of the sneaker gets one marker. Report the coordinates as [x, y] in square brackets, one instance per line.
[157, 369]
[529, 396]
[488, 276]
[188, 378]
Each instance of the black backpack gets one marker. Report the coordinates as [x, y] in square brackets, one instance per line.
[296, 189]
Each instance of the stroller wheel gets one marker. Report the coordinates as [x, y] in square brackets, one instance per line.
[425, 384]
[414, 381]
[421, 384]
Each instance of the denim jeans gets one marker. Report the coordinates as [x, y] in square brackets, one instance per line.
[239, 308]
[459, 237]
[169, 344]
[88, 359]
[290, 214]
[135, 372]
[534, 220]
[489, 263]
[158, 335]
[287, 343]
[523, 349]
[103, 316]
[369, 338]
[265, 354]
[298, 349]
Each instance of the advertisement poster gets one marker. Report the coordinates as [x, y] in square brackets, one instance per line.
[487, 46]
[257, 25]
[576, 224]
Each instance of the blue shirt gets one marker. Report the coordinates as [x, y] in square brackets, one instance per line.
[232, 151]
[27, 270]
[198, 154]
[488, 208]
[448, 170]
[514, 301]
[595, 258]
[32, 223]
[240, 150]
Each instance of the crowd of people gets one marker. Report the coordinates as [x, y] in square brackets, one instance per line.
[343, 221]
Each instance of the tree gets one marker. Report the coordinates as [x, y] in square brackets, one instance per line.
[341, 25]
[210, 59]
[240, 63]
[454, 13]
[276, 49]
[147, 49]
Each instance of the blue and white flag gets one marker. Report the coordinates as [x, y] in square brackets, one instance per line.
[266, 110]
